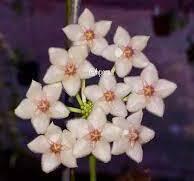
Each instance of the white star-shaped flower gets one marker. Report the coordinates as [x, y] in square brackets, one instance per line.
[42, 104]
[56, 147]
[126, 52]
[69, 67]
[132, 137]
[93, 135]
[148, 91]
[108, 94]
[88, 32]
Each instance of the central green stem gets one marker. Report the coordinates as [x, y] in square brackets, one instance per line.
[92, 163]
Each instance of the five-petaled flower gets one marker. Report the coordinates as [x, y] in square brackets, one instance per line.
[132, 137]
[42, 104]
[148, 91]
[126, 52]
[93, 135]
[56, 147]
[108, 94]
[88, 32]
[69, 67]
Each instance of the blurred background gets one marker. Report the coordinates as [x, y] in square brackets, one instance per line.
[29, 27]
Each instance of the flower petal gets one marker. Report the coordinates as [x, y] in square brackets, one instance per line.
[107, 80]
[156, 106]
[54, 74]
[52, 92]
[25, 109]
[103, 104]
[58, 56]
[102, 28]
[164, 88]
[135, 83]
[122, 90]
[50, 162]
[102, 151]
[93, 92]
[72, 85]
[150, 74]
[135, 102]
[140, 60]
[146, 134]
[118, 108]
[135, 153]
[86, 19]
[68, 159]
[123, 67]
[121, 37]
[68, 139]
[120, 122]
[58, 110]
[35, 90]
[98, 45]
[40, 123]
[120, 146]
[139, 42]
[82, 148]
[39, 145]
[109, 53]
[73, 32]
[86, 70]
[135, 118]
[111, 132]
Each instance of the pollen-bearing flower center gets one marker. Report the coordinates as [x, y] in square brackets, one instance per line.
[95, 135]
[148, 91]
[55, 148]
[133, 136]
[70, 69]
[128, 52]
[43, 105]
[89, 35]
[109, 96]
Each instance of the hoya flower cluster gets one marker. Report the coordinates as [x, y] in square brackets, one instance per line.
[91, 132]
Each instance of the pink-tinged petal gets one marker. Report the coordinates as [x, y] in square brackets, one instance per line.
[164, 88]
[54, 133]
[150, 74]
[107, 81]
[68, 139]
[118, 108]
[140, 60]
[72, 85]
[135, 152]
[35, 90]
[135, 83]
[102, 28]
[78, 127]
[122, 90]
[135, 102]
[156, 106]
[98, 45]
[40, 123]
[54, 74]
[139, 42]
[25, 109]
[52, 92]
[50, 162]
[97, 118]
[82, 148]
[73, 32]
[58, 110]
[102, 151]
[146, 134]
[120, 146]
[58, 56]
[78, 54]
[135, 119]
[121, 37]
[109, 53]
[68, 159]
[123, 67]
[111, 132]
[86, 19]
[103, 104]
[93, 92]
[39, 145]
[121, 122]
[86, 70]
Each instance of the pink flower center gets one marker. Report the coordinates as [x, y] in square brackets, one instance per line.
[95, 135]
[128, 52]
[109, 96]
[148, 90]
[55, 148]
[70, 69]
[133, 136]
[89, 35]
[43, 105]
